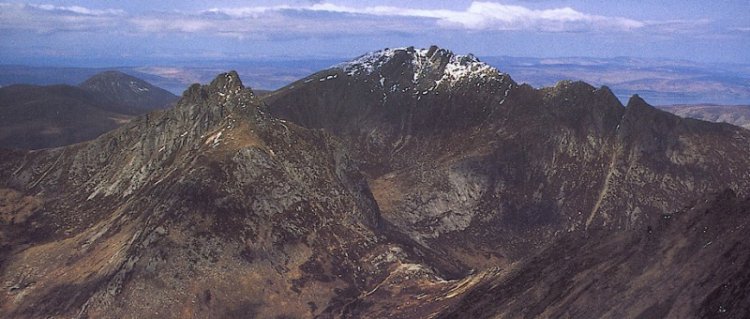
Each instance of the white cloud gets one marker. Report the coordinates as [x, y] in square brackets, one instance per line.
[244, 12]
[186, 25]
[318, 18]
[478, 16]
[47, 18]
[490, 15]
[76, 10]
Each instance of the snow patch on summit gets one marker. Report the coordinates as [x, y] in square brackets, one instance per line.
[424, 62]
[368, 62]
[465, 67]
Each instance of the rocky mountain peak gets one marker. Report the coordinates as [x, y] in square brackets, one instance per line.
[227, 83]
[642, 114]
[224, 84]
[584, 97]
[225, 94]
[435, 65]
[636, 101]
[388, 99]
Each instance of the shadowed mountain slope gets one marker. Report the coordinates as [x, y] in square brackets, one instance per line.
[692, 263]
[33, 117]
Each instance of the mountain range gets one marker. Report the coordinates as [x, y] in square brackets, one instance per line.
[659, 81]
[33, 117]
[406, 183]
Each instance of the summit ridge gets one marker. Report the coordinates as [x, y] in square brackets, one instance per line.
[434, 62]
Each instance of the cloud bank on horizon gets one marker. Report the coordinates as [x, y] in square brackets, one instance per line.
[194, 29]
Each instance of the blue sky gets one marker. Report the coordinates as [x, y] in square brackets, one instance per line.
[147, 32]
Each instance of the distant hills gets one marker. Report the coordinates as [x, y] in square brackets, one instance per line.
[33, 117]
[269, 75]
[733, 114]
[127, 94]
[659, 81]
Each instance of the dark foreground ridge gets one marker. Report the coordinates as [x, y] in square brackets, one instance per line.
[406, 184]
